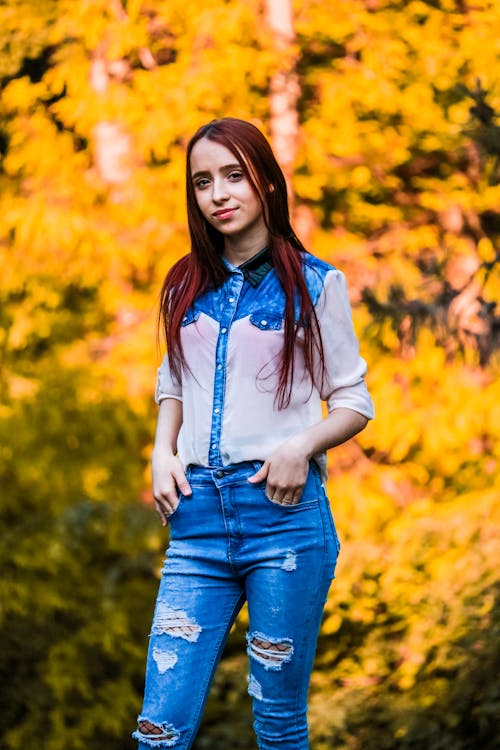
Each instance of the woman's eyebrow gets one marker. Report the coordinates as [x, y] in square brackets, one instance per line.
[225, 168]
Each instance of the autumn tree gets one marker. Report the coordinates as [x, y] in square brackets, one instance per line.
[385, 117]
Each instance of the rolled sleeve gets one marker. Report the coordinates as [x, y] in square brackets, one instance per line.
[343, 384]
[167, 385]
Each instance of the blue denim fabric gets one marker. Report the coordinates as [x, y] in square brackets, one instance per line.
[230, 543]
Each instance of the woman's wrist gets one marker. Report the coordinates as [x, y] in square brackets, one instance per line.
[162, 452]
[300, 446]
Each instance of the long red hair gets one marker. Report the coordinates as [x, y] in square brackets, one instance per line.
[203, 266]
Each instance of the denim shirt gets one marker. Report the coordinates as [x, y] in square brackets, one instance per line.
[232, 338]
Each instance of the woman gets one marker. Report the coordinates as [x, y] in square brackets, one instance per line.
[258, 332]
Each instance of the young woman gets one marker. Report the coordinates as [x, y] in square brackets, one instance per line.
[259, 333]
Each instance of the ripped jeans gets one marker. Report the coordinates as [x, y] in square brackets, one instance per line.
[230, 543]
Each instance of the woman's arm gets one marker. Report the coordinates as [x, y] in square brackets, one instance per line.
[286, 469]
[168, 472]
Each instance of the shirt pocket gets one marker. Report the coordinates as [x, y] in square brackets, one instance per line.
[266, 321]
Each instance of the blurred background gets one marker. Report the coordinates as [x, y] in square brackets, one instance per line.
[384, 116]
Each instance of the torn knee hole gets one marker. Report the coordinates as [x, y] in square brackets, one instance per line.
[272, 653]
[147, 727]
[152, 732]
[270, 650]
[176, 623]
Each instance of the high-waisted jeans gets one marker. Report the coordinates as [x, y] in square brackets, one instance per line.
[230, 543]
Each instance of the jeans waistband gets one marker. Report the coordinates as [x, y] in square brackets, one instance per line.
[199, 472]
[195, 471]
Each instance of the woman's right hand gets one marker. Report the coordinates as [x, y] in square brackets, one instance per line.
[168, 478]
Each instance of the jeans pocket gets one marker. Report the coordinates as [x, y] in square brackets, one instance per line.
[177, 508]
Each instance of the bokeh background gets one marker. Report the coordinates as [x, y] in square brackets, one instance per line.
[385, 118]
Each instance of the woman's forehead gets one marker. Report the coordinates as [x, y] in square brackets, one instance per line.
[210, 156]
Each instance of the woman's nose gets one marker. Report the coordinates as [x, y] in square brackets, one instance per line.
[219, 191]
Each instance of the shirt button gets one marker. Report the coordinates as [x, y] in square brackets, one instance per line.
[219, 367]
[231, 299]
[214, 446]
[263, 322]
[217, 410]
[223, 330]
[219, 474]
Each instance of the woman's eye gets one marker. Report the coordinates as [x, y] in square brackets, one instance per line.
[200, 184]
[235, 176]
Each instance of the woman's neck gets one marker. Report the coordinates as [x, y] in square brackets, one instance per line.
[237, 252]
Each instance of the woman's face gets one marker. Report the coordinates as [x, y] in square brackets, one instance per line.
[224, 195]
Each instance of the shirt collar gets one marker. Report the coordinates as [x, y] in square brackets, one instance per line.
[255, 269]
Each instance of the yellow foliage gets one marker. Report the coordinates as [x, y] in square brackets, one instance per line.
[401, 186]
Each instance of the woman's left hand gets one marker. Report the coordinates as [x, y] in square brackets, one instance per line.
[286, 473]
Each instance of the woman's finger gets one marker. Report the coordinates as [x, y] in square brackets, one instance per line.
[284, 495]
[297, 495]
[260, 475]
[279, 495]
[182, 482]
[166, 497]
[163, 513]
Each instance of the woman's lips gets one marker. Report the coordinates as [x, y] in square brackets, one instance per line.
[225, 213]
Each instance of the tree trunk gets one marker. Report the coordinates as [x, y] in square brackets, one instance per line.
[112, 144]
[284, 89]
[112, 147]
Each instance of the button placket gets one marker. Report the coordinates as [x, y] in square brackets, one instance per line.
[225, 321]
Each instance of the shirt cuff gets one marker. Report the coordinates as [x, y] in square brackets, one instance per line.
[355, 397]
